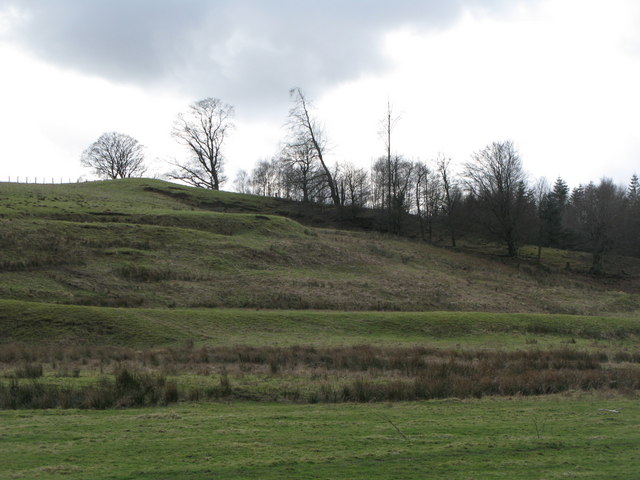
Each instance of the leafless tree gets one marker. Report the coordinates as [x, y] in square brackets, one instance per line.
[242, 182]
[496, 179]
[428, 198]
[354, 186]
[300, 169]
[266, 178]
[115, 155]
[387, 125]
[203, 129]
[452, 195]
[304, 126]
[392, 184]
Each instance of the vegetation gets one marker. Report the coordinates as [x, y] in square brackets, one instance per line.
[146, 243]
[300, 374]
[106, 292]
[577, 435]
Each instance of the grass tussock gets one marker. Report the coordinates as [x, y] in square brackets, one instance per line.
[126, 389]
[303, 374]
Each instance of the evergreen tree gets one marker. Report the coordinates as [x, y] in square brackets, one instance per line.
[633, 192]
[553, 209]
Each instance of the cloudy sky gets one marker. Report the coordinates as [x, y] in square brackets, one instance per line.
[558, 77]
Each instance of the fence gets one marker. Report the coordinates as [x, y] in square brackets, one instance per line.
[42, 180]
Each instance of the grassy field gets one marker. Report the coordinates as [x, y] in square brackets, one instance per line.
[576, 436]
[60, 355]
[38, 323]
[148, 243]
[269, 347]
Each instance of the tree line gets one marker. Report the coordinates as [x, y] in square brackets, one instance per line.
[491, 197]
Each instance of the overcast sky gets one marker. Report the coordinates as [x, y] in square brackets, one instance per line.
[557, 77]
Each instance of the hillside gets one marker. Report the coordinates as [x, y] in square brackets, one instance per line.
[149, 243]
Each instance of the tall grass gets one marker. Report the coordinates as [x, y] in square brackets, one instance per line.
[304, 374]
[127, 389]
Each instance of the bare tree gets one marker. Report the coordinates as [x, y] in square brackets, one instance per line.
[354, 186]
[392, 187]
[496, 179]
[266, 178]
[115, 155]
[304, 126]
[300, 169]
[428, 198]
[242, 183]
[452, 195]
[388, 124]
[203, 129]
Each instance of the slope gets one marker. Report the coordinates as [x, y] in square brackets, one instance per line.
[148, 243]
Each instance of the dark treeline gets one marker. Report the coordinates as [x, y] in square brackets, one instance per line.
[491, 198]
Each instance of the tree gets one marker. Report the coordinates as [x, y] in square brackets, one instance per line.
[242, 183]
[388, 124]
[632, 229]
[633, 191]
[392, 185]
[552, 212]
[354, 186]
[452, 195]
[115, 155]
[597, 213]
[300, 169]
[203, 129]
[428, 198]
[266, 178]
[542, 197]
[304, 127]
[496, 179]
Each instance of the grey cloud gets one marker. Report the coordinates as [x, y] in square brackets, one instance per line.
[247, 52]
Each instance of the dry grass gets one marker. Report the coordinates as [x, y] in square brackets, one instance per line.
[304, 374]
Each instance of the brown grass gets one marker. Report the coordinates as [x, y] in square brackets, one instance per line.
[305, 374]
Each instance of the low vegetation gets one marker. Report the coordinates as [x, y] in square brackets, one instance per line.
[318, 338]
[146, 243]
[299, 374]
[33, 323]
[559, 436]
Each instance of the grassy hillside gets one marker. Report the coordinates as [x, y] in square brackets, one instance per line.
[35, 323]
[72, 256]
[148, 243]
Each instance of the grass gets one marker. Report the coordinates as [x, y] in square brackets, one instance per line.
[106, 291]
[148, 243]
[575, 436]
[38, 323]
[79, 377]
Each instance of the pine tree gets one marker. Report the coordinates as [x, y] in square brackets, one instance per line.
[633, 192]
[553, 209]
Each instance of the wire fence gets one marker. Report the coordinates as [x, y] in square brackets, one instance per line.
[42, 180]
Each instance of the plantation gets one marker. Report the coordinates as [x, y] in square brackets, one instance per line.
[149, 330]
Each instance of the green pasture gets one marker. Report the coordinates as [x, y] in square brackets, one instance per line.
[579, 436]
[38, 323]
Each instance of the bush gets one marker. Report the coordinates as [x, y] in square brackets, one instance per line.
[28, 370]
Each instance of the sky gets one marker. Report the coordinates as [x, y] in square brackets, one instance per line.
[559, 78]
